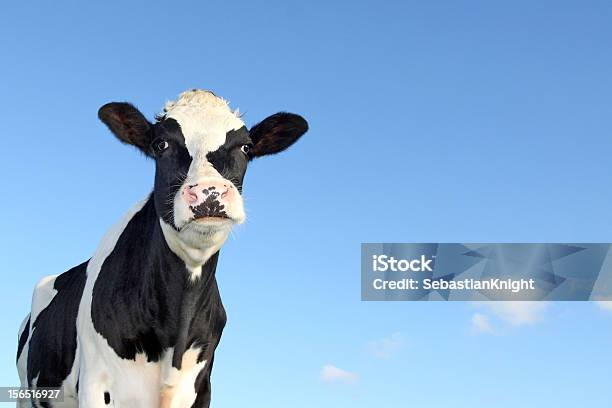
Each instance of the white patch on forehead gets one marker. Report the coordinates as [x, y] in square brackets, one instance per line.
[204, 119]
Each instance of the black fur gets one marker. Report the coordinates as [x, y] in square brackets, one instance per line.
[52, 347]
[171, 167]
[143, 300]
[229, 160]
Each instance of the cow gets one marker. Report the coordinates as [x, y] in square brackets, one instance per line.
[138, 323]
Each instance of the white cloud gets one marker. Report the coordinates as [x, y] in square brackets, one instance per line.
[332, 374]
[605, 305]
[517, 313]
[386, 347]
[481, 324]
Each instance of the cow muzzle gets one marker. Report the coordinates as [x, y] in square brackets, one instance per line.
[209, 199]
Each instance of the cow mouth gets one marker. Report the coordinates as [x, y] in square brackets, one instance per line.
[204, 223]
[216, 217]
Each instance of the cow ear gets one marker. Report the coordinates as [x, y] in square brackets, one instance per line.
[276, 133]
[127, 123]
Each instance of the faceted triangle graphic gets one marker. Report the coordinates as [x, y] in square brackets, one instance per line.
[558, 251]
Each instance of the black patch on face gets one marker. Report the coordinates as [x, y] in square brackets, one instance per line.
[171, 167]
[52, 347]
[143, 300]
[229, 160]
[23, 338]
[107, 398]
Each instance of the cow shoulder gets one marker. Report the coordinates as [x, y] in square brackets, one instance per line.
[136, 297]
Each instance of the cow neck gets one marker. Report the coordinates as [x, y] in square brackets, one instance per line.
[167, 254]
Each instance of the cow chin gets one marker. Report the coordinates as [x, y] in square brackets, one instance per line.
[198, 235]
[195, 243]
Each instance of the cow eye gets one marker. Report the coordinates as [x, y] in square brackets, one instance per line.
[246, 149]
[160, 145]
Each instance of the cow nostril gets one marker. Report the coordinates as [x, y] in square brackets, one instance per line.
[190, 195]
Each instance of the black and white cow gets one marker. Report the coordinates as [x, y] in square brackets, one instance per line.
[137, 324]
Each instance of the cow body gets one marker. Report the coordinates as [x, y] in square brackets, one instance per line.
[137, 325]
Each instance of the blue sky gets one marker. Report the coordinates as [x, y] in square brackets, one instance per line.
[441, 121]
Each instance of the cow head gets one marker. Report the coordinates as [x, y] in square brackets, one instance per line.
[201, 150]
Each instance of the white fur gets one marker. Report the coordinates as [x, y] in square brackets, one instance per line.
[204, 119]
[196, 244]
[42, 296]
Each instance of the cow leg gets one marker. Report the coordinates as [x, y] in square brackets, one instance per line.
[179, 384]
[203, 387]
